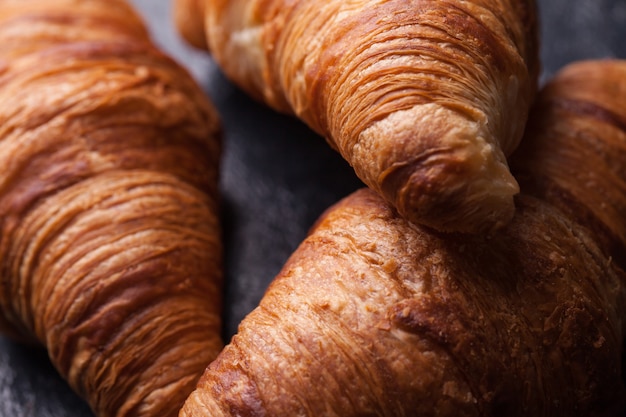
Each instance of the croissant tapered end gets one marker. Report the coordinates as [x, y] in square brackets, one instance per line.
[458, 181]
[189, 21]
[110, 250]
[372, 315]
[425, 100]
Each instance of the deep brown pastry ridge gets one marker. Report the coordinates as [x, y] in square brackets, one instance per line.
[110, 250]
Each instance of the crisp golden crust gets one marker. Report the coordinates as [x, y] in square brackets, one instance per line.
[425, 99]
[110, 252]
[373, 315]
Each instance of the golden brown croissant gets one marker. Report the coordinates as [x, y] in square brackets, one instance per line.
[373, 316]
[425, 99]
[110, 252]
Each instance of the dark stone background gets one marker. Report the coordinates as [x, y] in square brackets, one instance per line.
[277, 178]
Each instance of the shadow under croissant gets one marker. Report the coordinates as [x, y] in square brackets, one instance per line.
[32, 383]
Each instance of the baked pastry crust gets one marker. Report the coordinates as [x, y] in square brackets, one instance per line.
[373, 315]
[110, 251]
[424, 99]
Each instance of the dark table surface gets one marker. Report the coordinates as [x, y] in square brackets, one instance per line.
[277, 178]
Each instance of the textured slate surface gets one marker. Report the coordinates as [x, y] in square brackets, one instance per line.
[277, 177]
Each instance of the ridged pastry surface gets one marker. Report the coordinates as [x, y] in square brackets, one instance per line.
[110, 251]
[424, 99]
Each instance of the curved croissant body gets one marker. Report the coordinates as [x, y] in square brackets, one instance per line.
[375, 316]
[110, 252]
[425, 99]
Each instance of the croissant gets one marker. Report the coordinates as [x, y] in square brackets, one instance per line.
[425, 99]
[374, 316]
[110, 250]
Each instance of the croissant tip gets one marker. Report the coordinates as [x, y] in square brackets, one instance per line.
[189, 22]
